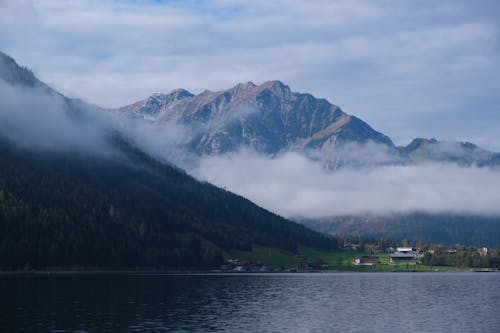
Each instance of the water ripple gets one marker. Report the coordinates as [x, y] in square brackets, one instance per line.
[343, 302]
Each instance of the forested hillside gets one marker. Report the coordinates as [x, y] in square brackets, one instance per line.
[126, 211]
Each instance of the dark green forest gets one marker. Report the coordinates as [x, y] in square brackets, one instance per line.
[125, 211]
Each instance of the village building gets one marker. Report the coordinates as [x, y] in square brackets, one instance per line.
[366, 261]
[406, 254]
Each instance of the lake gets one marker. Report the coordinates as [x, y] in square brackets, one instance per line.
[329, 302]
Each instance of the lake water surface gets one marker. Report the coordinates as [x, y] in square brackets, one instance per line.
[336, 302]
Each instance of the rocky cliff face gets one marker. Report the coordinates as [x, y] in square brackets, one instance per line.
[268, 118]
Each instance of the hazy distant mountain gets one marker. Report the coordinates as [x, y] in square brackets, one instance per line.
[462, 153]
[446, 228]
[270, 118]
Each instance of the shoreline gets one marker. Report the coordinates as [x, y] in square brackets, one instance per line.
[216, 272]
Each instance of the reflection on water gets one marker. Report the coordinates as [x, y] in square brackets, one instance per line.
[343, 302]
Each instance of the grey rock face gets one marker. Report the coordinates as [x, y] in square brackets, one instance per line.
[268, 118]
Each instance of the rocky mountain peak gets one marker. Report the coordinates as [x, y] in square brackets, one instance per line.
[268, 118]
[244, 86]
[154, 104]
[239, 92]
[180, 93]
[276, 88]
[274, 84]
[417, 143]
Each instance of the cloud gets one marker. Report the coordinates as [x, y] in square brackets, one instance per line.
[166, 141]
[294, 186]
[354, 154]
[38, 119]
[170, 138]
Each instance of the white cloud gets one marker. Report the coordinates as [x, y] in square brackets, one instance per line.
[36, 119]
[294, 186]
[166, 141]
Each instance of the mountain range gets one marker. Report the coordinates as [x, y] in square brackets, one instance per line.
[141, 210]
[271, 119]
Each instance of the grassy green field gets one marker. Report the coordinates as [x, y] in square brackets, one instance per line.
[342, 261]
[267, 256]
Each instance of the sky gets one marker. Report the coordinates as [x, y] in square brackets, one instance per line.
[408, 68]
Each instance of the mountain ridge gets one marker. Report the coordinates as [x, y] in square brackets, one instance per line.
[271, 119]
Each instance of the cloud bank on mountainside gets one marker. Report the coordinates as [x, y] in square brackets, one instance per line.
[294, 186]
[38, 119]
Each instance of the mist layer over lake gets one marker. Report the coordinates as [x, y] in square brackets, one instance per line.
[339, 302]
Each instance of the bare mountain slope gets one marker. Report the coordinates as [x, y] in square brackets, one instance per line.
[269, 118]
